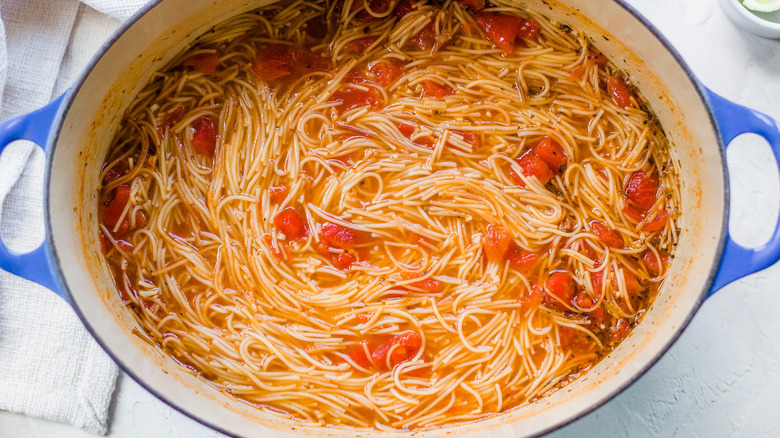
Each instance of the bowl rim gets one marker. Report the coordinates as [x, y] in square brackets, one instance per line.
[751, 19]
[56, 266]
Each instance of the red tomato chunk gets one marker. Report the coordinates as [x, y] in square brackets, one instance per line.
[544, 160]
[658, 222]
[386, 72]
[113, 211]
[552, 154]
[280, 61]
[426, 38]
[533, 298]
[289, 222]
[404, 7]
[399, 349]
[496, 243]
[606, 234]
[203, 62]
[352, 98]
[503, 30]
[339, 236]
[435, 90]
[204, 140]
[532, 165]
[519, 258]
[642, 188]
[619, 91]
[559, 289]
[343, 260]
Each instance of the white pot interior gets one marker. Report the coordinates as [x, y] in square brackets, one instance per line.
[145, 46]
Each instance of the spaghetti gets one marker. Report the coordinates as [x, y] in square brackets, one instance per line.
[388, 214]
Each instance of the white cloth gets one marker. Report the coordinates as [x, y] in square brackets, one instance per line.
[49, 365]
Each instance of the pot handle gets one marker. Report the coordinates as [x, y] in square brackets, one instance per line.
[36, 127]
[733, 120]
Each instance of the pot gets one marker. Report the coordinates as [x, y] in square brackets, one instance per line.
[76, 129]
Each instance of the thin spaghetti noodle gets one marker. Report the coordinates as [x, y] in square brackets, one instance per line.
[389, 214]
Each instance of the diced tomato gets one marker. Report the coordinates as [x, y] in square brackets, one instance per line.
[568, 337]
[474, 5]
[658, 222]
[343, 260]
[404, 7]
[359, 45]
[407, 129]
[426, 142]
[386, 72]
[278, 194]
[354, 77]
[358, 355]
[552, 154]
[619, 330]
[559, 288]
[633, 286]
[171, 118]
[119, 170]
[576, 73]
[584, 302]
[339, 236]
[289, 222]
[140, 219]
[307, 62]
[426, 38]
[204, 139]
[619, 91]
[323, 248]
[203, 62]
[278, 61]
[435, 90]
[501, 29]
[652, 262]
[407, 345]
[606, 234]
[428, 285]
[275, 61]
[352, 98]
[597, 280]
[532, 165]
[533, 298]
[529, 29]
[113, 211]
[598, 58]
[124, 245]
[519, 258]
[631, 212]
[496, 242]
[642, 188]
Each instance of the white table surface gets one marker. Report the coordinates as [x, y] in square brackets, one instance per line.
[722, 378]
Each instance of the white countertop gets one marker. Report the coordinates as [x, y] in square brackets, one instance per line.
[722, 378]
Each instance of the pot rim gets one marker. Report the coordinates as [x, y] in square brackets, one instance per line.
[56, 267]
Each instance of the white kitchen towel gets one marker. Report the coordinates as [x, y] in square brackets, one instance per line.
[49, 365]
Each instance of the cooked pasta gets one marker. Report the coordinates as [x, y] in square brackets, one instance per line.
[388, 214]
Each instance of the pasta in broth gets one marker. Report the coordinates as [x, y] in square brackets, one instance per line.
[389, 215]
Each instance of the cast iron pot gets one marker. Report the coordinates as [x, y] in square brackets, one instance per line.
[76, 129]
